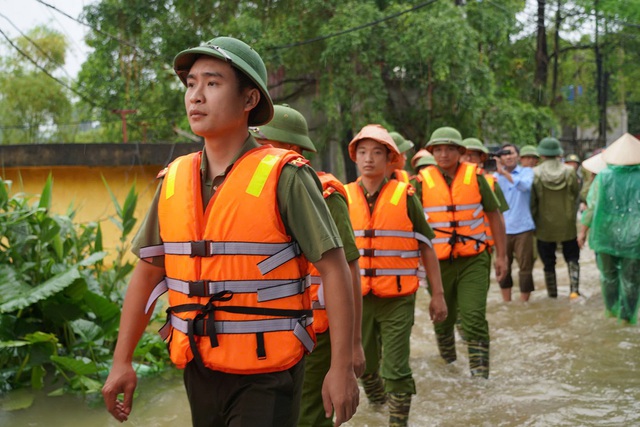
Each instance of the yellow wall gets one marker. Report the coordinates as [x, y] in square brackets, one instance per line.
[83, 188]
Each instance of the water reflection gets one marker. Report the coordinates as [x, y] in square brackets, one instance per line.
[553, 362]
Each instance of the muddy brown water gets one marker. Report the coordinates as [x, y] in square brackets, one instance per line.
[553, 363]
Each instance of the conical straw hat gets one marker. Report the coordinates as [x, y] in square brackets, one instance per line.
[595, 164]
[624, 151]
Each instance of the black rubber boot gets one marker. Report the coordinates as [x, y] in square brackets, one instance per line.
[552, 284]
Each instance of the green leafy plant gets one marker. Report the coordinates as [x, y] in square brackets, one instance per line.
[59, 300]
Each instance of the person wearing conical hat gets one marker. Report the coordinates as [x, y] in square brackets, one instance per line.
[289, 130]
[614, 229]
[455, 199]
[396, 170]
[393, 236]
[529, 156]
[516, 180]
[228, 237]
[553, 208]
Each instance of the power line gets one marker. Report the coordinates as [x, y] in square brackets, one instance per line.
[41, 68]
[350, 30]
[111, 36]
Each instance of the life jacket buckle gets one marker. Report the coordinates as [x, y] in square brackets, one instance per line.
[369, 272]
[198, 289]
[200, 248]
[451, 208]
[368, 252]
[369, 233]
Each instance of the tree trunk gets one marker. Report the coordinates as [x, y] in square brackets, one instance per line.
[542, 56]
[601, 85]
[556, 54]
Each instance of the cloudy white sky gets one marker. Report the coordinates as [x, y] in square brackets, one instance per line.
[19, 16]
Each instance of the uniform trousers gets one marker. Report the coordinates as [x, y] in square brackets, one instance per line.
[259, 400]
[386, 339]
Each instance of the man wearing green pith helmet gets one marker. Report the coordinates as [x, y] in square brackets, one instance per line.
[455, 200]
[289, 130]
[228, 238]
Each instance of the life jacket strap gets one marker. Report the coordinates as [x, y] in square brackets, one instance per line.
[267, 290]
[376, 272]
[203, 327]
[455, 208]
[472, 223]
[393, 233]
[380, 252]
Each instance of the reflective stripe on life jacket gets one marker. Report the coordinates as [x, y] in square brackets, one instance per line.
[389, 246]
[238, 293]
[330, 184]
[454, 212]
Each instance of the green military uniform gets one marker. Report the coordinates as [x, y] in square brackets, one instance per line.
[306, 218]
[318, 362]
[466, 284]
[386, 333]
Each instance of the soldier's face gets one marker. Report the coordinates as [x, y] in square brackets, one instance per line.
[372, 158]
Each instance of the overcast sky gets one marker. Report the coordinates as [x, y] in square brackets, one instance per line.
[18, 16]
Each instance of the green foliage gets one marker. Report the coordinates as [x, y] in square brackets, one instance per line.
[59, 302]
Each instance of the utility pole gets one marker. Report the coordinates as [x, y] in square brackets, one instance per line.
[123, 116]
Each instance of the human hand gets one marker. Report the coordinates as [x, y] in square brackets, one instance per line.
[500, 264]
[340, 394]
[582, 237]
[359, 362]
[438, 308]
[121, 379]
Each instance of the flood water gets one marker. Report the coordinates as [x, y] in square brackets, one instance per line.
[553, 363]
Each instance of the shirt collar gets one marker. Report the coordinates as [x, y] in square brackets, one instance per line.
[249, 144]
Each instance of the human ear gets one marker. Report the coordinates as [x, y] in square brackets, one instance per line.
[252, 98]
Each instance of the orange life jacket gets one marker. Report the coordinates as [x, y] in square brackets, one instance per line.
[454, 212]
[389, 254]
[238, 290]
[401, 175]
[330, 184]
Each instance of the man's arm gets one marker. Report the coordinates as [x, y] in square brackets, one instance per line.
[498, 230]
[359, 362]
[340, 388]
[437, 306]
[133, 321]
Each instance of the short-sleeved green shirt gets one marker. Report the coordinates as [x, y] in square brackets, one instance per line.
[304, 212]
[414, 210]
[489, 202]
[340, 213]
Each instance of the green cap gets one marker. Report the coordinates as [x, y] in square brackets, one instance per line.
[474, 144]
[287, 126]
[403, 144]
[425, 161]
[445, 136]
[572, 158]
[529, 150]
[241, 56]
[549, 147]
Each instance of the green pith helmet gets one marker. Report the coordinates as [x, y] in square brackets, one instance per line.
[403, 144]
[445, 136]
[425, 161]
[529, 151]
[287, 126]
[549, 147]
[241, 56]
[474, 144]
[572, 158]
